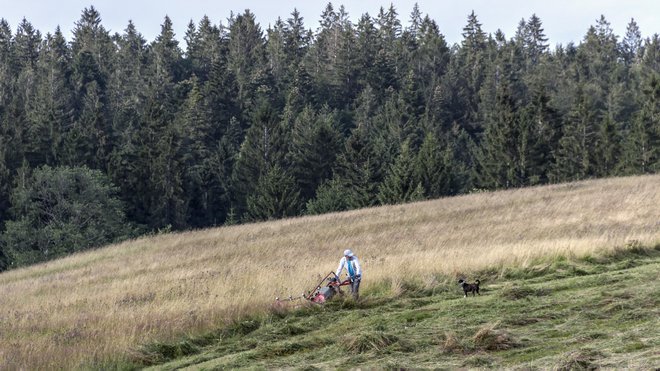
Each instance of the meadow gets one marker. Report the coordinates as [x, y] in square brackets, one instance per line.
[100, 307]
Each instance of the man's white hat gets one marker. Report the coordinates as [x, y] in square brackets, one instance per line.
[348, 253]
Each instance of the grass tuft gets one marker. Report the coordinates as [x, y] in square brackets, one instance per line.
[490, 337]
[583, 359]
[369, 341]
[452, 344]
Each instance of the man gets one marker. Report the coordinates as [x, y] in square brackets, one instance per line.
[350, 261]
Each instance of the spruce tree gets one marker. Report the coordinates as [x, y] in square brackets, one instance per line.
[203, 47]
[26, 46]
[400, 183]
[430, 60]
[358, 170]
[265, 146]
[128, 100]
[296, 40]
[197, 146]
[536, 42]
[631, 45]
[607, 149]
[51, 110]
[366, 48]
[330, 197]
[573, 159]
[499, 156]
[315, 143]
[158, 163]
[275, 196]
[20, 107]
[641, 153]
[246, 58]
[435, 168]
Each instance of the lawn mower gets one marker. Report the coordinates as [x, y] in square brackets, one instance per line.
[320, 294]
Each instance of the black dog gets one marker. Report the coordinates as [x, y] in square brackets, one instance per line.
[469, 287]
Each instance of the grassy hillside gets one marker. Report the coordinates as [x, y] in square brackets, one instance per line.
[569, 314]
[103, 306]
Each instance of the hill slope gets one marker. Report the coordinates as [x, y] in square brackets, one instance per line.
[569, 314]
[99, 307]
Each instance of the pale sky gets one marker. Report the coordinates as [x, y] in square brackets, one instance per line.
[563, 20]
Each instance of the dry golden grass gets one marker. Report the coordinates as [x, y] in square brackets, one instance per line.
[100, 305]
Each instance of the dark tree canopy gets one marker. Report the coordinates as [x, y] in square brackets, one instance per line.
[58, 211]
[238, 122]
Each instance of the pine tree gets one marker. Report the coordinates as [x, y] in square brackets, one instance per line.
[544, 132]
[166, 55]
[330, 197]
[400, 184]
[366, 47]
[203, 47]
[314, 147]
[221, 163]
[265, 146]
[20, 107]
[651, 56]
[90, 36]
[450, 102]
[246, 57]
[274, 197]
[159, 194]
[220, 92]
[607, 148]
[128, 99]
[536, 42]
[390, 48]
[573, 160]
[631, 45]
[26, 46]
[296, 40]
[51, 110]
[301, 91]
[472, 62]
[430, 60]
[89, 141]
[435, 168]
[641, 153]
[330, 60]
[276, 52]
[7, 67]
[197, 146]
[358, 170]
[503, 154]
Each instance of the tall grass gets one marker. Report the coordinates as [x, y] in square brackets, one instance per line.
[97, 306]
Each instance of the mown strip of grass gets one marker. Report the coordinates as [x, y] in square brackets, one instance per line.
[566, 313]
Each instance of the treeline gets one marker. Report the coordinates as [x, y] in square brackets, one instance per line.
[245, 124]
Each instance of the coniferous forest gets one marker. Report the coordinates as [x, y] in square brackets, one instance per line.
[108, 136]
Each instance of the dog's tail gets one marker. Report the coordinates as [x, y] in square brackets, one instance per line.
[478, 282]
